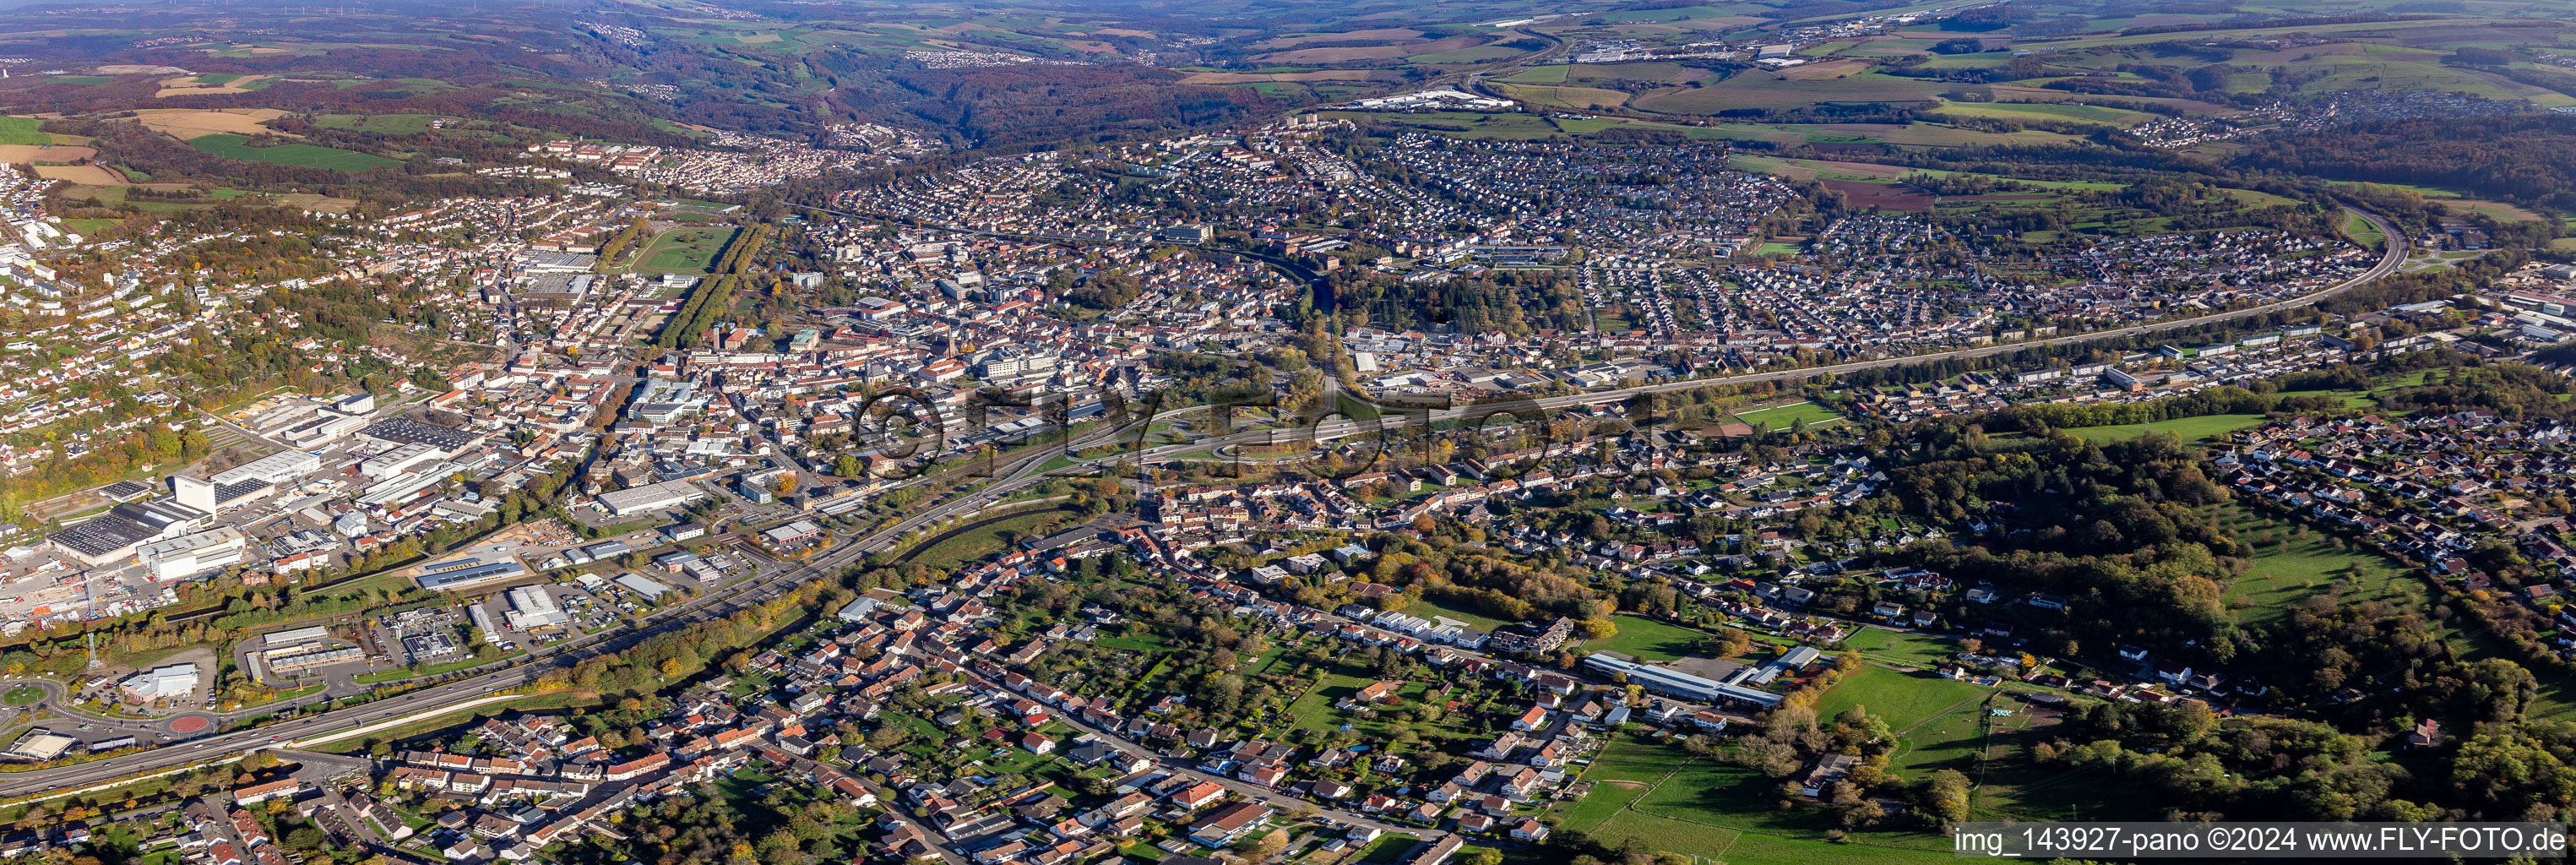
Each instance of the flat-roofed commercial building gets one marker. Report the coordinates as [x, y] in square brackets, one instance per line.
[113, 535]
[40, 746]
[175, 680]
[402, 487]
[403, 431]
[638, 584]
[651, 497]
[297, 637]
[303, 658]
[531, 608]
[395, 461]
[796, 532]
[190, 555]
[1674, 683]
[276, 468]
[449, 576]
[321, 429]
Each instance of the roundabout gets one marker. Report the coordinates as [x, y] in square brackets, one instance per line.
[46, 696]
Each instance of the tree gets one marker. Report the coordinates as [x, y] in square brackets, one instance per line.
[1262, 848]
[1946, 800]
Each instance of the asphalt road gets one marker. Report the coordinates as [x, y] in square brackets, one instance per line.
[1013, 475]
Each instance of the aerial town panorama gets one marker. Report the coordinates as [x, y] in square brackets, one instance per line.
[1113, 432]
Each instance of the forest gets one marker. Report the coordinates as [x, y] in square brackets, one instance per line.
[2528, 160]
[1024, 107]
[126, 143]
[1492, 303]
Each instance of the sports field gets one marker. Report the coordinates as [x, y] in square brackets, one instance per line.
[2190, 429]
[684, 250]
[1783, 417]
[231, 146]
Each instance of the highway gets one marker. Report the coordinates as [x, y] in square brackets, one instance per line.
[1017, 473]
[1012, 474]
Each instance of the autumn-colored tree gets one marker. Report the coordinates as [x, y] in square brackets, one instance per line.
[1262, 848]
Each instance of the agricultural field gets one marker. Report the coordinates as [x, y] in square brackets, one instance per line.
[42, 154]
[1390, 50]
[1830, 82]
[192, 123]
[232, 146]
[1504, 127]
[1302, 76]
[90, 175]
[1608, 75]
[1566, 96]
[1380, 34]
[210, 84]
[22, 130]
[1553, 73]
[392, 124]
[1470, 55]
[1591, 126]
[2496, 209]
[2119, 117]
[1816, 169]
[2403, 56]
[1905, 135]
[114, 193]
